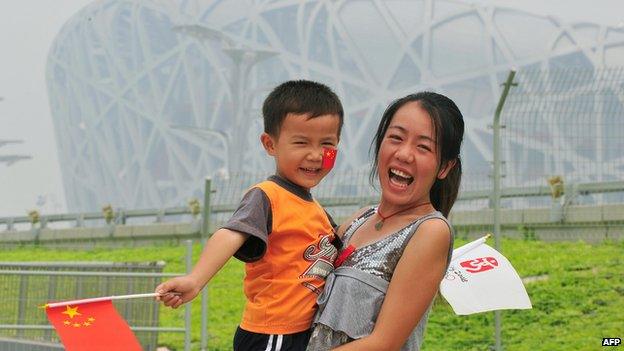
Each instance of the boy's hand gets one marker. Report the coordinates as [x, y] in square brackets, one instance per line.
[220, 247]
[185, 285]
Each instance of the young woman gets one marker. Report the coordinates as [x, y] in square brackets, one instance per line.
[396, 253]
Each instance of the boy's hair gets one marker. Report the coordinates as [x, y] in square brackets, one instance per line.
[299, 97]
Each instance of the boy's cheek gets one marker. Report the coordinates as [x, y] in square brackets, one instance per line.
[329, 158]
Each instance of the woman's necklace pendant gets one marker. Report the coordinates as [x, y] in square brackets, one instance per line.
[378, 225]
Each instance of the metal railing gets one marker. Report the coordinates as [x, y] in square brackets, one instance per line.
[27, 285]
[162, 215]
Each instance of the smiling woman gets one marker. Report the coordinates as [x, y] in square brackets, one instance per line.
[395, 254]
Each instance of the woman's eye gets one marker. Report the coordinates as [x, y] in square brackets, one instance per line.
[394, 137]
[424, 147]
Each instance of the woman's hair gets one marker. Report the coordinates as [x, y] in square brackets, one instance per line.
[448, 124]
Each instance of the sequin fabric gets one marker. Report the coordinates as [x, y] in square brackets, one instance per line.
[381, 257]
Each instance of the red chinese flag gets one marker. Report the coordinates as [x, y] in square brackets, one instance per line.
[329, 158]
[92, 326]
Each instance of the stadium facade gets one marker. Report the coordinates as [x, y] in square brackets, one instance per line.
[149, 97]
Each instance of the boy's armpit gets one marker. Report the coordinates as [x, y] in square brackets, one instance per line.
[253, 217]
[252, 250]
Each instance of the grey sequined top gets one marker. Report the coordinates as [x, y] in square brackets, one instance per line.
[354, 292]
[381, 257]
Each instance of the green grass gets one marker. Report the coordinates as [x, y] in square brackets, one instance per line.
[581, 301]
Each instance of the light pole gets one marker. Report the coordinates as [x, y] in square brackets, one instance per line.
[235, 145]
[11, 159]
[206, 133]
[244, 58]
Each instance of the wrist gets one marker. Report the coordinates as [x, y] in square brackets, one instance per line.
[196, 280]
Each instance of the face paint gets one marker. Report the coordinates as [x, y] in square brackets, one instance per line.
[329, 158]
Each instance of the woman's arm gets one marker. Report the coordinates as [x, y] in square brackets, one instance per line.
[413, 286]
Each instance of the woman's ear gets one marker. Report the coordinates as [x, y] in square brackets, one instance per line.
[268, 143]
[443, 172]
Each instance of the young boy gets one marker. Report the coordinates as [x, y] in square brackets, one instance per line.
[284, 236]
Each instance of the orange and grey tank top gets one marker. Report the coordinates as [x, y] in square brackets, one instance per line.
[282, 287]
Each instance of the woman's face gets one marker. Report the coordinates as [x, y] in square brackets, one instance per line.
[408, 157]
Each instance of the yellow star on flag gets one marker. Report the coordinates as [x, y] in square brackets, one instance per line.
[71, 312]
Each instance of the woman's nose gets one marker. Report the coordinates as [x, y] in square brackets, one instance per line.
[404, 154]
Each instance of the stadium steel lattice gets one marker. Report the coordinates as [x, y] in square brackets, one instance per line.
[150, 97]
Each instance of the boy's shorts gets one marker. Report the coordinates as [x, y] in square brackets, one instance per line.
[248, 341]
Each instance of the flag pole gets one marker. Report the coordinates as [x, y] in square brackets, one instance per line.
[459, 252]
[104, 298]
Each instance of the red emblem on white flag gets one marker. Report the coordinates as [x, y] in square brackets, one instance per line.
[480, 264]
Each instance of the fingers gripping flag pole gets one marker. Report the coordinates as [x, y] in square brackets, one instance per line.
[481, 279]
[93, 324]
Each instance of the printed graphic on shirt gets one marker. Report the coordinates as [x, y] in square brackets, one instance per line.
[322, 256]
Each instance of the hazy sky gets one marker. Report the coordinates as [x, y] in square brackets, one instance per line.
[27, 29]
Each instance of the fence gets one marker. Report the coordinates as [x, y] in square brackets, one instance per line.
[528, 211]
[561, 164]
[27, 285]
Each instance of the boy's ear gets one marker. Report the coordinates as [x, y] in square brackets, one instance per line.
[268, 143]
[443, 172]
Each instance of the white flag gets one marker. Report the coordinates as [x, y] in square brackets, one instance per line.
[480, 279]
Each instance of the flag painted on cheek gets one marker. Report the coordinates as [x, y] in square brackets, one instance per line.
[92, 326]
[329, 158]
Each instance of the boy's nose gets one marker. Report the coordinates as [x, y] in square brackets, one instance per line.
[315, 154]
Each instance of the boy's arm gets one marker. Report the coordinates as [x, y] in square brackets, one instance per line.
[220, 247]
[245, 236]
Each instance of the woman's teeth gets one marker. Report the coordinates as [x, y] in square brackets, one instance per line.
[399, 177]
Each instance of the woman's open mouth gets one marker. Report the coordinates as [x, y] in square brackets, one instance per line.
[399, 178]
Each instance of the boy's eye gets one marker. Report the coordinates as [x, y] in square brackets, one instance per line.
[328, 143]
[299, 142]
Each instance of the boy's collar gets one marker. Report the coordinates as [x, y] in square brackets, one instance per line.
[298, 190]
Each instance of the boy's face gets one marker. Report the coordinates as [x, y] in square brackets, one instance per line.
[298, 150]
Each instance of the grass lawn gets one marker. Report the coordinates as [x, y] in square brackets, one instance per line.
[581, 301]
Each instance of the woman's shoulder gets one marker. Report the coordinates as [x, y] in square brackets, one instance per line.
[434, 233]
[435, 225]
[344, 226]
